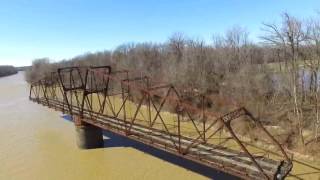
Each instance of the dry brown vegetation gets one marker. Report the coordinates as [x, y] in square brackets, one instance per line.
[277, 80]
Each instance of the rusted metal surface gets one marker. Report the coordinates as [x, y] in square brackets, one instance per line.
[105, 98]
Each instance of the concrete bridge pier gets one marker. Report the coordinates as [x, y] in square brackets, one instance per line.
[87, 135]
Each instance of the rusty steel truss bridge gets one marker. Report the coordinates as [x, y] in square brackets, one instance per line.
[158, 116]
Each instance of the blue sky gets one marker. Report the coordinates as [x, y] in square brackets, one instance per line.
[59, 29]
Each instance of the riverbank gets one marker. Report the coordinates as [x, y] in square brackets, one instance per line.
[7, 71]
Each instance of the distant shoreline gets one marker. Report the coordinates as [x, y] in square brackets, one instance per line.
[7, 71]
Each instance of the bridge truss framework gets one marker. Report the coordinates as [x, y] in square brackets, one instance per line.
[157, 115]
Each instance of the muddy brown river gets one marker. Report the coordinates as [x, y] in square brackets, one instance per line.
[39, 143]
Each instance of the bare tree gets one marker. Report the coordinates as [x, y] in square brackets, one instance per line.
[289, 38]
[312, 61]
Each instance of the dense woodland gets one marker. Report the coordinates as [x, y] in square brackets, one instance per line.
[277, 79]
[7, 70]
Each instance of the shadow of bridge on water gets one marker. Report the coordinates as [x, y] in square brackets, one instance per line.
[114, 140]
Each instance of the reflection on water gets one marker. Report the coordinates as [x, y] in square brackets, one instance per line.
[37, 144]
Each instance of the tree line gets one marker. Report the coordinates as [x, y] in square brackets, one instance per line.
[7, 70]
[277, 78]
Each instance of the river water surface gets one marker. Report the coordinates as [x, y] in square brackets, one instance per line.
[37, 143]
